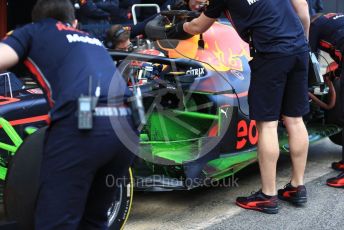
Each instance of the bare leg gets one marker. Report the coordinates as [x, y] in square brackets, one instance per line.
[298, 144]
[268, 153]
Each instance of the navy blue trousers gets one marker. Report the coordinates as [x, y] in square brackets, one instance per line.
[74, 193]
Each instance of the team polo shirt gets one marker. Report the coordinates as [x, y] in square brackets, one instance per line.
[327, 34]
[63, 59]
[273, 24]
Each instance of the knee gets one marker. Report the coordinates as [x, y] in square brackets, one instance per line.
[293, 121]
[295, 126]
[262, 125]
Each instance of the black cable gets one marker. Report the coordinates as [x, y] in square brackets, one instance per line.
[220, 74]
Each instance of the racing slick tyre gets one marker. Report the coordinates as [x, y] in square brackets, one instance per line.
[120, 208]
[333, 116]
[22, 183]
[337, 138]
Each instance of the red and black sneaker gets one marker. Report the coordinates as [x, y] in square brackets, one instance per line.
[297, 196]
[339, 166]
[259, 202]
[337, 182]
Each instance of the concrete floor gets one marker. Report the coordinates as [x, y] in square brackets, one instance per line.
[214, 208]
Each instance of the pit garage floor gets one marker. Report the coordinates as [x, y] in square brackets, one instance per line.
[214, 208]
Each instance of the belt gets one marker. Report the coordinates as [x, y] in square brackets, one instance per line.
[111, 111]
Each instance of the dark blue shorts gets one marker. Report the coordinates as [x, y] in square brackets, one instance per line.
[279, 86]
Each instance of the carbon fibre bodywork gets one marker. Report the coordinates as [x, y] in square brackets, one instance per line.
[25, 108]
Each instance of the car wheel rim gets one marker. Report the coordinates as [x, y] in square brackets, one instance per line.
[115, 206]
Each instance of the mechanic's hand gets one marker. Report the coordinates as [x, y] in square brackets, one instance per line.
[177, 32]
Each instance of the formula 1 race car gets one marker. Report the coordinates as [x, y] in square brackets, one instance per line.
[198, 128]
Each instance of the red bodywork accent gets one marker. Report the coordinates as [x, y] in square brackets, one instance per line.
[34, 70]
[253, 127]
[243, 94]
[213, 131]
[325, 44]
[242, 132]
[45, 118]
[329, 48]
[7, 100]
[246, 133]
[332, 67]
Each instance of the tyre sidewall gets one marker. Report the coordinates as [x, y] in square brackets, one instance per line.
[335, 115]
[127, 196]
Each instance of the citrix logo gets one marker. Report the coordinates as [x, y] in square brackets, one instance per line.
[250, 2]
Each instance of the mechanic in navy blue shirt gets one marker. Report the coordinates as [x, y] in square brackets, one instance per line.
[73, 192]
[93, 19]
[327, 34]
[278, 85]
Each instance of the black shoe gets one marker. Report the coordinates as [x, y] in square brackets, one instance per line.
[297, 196]
[337, 182]
[259, 202]
[339, 166]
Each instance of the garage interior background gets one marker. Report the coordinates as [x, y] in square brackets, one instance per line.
[18, 12]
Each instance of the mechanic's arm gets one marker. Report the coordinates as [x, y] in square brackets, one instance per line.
[301, 8]
[8, 57]
[198, 25]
